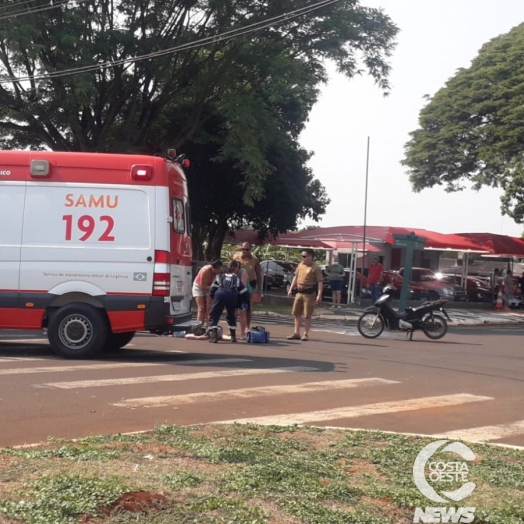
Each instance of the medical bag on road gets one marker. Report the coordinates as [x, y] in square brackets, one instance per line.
[257, 335]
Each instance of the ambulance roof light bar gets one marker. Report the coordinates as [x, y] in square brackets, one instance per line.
[39, 168]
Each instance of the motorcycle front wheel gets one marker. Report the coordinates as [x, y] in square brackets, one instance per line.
[435, 327]
[370, 325]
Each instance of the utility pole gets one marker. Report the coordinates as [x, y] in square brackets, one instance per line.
[365, 223]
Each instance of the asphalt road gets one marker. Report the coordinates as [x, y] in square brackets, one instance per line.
[469, 385]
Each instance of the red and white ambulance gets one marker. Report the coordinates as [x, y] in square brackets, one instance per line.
[93, 247]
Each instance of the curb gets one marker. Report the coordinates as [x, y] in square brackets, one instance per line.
[336, 428]
[353, 319]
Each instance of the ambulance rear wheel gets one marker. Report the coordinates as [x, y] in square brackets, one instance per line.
[78, 331]
[118, 340]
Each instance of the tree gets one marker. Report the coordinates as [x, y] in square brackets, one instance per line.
[111, 108]
[236, 106]
[472, 129]
[216, 191]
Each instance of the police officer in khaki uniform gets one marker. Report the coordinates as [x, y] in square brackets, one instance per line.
[309, 283]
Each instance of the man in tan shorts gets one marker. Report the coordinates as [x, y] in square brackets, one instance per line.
[251, 264]
[309, 283]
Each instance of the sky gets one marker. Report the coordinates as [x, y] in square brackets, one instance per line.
[436, 38]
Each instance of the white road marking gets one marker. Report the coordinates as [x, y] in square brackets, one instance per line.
[25, 341]
[363, 411]
[486, 433]
[175, 400]
[116, 365]
[28, 359]
[171, 378]
[62, 369]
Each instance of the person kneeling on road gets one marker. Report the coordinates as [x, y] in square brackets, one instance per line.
[225, 292]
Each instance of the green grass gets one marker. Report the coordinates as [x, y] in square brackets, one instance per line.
[244, 474]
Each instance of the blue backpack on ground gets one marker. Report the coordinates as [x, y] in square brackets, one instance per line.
[257, 335]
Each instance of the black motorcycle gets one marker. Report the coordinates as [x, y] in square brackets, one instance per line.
[381, 315]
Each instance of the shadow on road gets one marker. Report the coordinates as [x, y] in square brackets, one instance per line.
[29, 352]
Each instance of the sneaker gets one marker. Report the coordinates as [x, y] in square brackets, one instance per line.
[233, 336]
[294, 336]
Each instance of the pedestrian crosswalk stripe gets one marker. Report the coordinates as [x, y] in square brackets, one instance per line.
[486, 433]
[80, 367]
[172, 378]
[116, 365]
[175, 400]
[27, 359]
[24, 341]
[382, 408]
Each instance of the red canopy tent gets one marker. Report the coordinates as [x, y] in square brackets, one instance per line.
[449, 242]
[299, 243]
[496, 244]
[344, 237]
[384, 234]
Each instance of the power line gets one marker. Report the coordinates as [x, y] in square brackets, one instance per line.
[228, 35]
[9, 6]
[37, 9]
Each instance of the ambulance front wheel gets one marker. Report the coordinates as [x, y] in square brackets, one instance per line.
[78, 331]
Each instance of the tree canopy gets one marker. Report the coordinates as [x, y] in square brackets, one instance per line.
[236, 106]
[472, 130]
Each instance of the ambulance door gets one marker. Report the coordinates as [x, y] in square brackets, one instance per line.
[180, 250]
[91, 238]
[12, 196]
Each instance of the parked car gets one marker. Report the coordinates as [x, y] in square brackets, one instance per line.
[425, 278]
[327, 294]
[277, 273]
[290, 268]
[477, 289]
[414, 292]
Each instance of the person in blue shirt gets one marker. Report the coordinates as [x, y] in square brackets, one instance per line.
[243, 306]
[226, 291]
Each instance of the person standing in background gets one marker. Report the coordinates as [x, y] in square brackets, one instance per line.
[251, 264]
[335, 273]
[521, 284]
[375, 274]
[508, 288]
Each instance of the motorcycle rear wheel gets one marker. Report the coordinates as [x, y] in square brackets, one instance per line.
[435, 327]
[370, 325]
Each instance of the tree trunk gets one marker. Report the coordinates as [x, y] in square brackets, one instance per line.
[199, 235]
[216, 239]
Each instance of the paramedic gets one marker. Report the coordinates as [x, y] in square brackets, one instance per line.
[225, 292]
